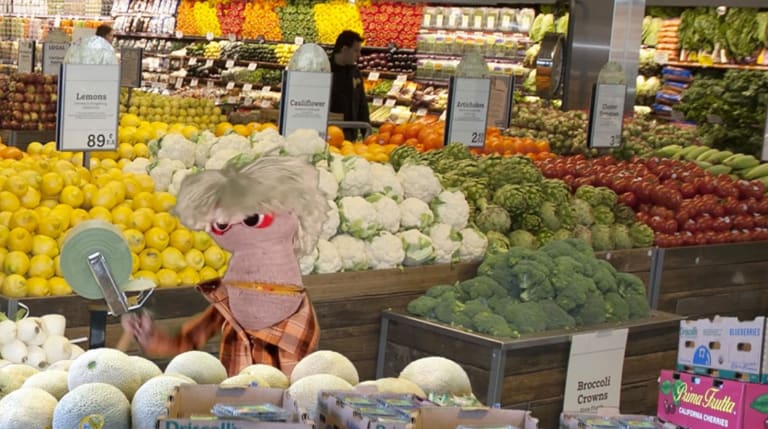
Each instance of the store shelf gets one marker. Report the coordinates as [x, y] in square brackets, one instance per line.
[60, 16]
[437, 56]
[718, 66]
[388, 74]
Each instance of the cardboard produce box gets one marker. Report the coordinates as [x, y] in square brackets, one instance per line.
[450, 417]
[191, 402]
[336, 411]
[700, 402]
[725, 347]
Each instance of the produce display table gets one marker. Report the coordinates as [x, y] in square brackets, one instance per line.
[529, 372]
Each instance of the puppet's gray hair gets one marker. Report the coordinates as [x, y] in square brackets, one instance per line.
[268, 184]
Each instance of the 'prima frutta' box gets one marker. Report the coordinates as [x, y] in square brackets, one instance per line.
[694, 401]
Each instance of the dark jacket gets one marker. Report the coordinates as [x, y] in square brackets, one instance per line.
[348, 93]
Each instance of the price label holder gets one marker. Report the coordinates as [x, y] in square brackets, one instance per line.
[179, 82]
[401, 79]
[247, 101]
[500, 102]
[607, 115]
[193, 82]
[229, 64]
[230, 85]
[247, 87]
[298, 40]
[26, 58]
[53, 57]
[232, 100]
[661, 57]
[179, 34]
[266, 89]
[490, 23]
[210, 84]
[467, 111]
[192, 61]
[266, 104]
[305, 102]
[130, 67]
[378, 101]
[594, 371]
[764, 153]
[478, 23]
[209, 63]
[390, 102]
[209, 36]
[422, 112]
[373, 76]
[87, 110]
[252, 66]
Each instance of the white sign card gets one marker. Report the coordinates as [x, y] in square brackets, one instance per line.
[130, 67]
[500, 102]
[26, 59]
[87, 114]
[82, 32]
[594, 371]
[53, 57]
[764, 154]
[607, 115]
[306, 102]
[467, 111]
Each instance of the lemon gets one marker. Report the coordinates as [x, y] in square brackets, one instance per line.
[24, 218]
[143, 218]
[5, 218]
[109, 160]
[77, 216]
[9, 201]
[62, 210]
[173, 259]
[118, 189]
[59, 286]
[3, 254]
[135, 262]
[156, 238]
[122, 215]
[41, 266]
[146, 182]
[195, 259]
[147, 275]
[16, 262]
[129, 120]
[49, 202]
[132, 187]
[143, 199]
[31, 199]
[89, 192]
[4, 233]
[165, 221]
[167, 278]
[35, 148]
[101, 213]
[215, 257]
[135, 240]
[71, 178]
[57, 266]
[208, 273]
[189, 276]
[202, 240]
[222, 271]
[163, 201]
[125, 151]
[72, 196]
[150, 260]
[52, 225]
[42, 211]
[141, 150]
[15, 286]
[32, 177]
[38, 286]
[44, 245]
[51, 184]
[105, 197]
[16, 185]
[123, 162]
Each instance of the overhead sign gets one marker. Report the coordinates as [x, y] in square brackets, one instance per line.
[306, 102]
[500, 102]
[53, 57]
[594, 371]
[467, 111]
[130, 67]
[26, 59]
[87, 114]
[607, 115]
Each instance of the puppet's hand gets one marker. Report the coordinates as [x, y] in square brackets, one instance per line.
[140, 325]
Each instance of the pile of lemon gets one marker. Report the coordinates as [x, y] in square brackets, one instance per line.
[46, 193]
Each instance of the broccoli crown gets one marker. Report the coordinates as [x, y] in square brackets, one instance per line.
[532, 280]
[525, 317]
[439, 290]
[496, 267]
[604, 276]
[630, 284]
[422, 306]
[474, 306]
[576, 293]
[566, 266]
[557, 318]
[492, 324]
[592, 312]
[447, 310]
[616, 308]
[483, 287]
[638, 306]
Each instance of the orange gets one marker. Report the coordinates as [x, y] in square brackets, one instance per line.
[542, 146]
[383, 138]
[412, 131]
[371, 139]
[223, 128]
[12, 153]
[335, 136]
[387, 128]
[411, 142]
[400, 129]
[397, 139]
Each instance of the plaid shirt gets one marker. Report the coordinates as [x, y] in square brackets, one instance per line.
[281, 345]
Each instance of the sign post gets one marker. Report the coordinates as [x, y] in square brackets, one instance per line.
[594, 371]
[26, 59]
[130, 67]
[306, 102]
[53, 57]
[87, 114]
[607, 115]
[500, 103]
[467, 111]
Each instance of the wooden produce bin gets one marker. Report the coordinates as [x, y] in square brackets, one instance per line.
[704, 281]
[22, 139]
[529, 373]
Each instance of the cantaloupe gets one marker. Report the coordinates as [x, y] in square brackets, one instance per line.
[438, 375]
[270, 374]
[305, 391]
[93, 399]
[149, 402]
[326, 362]
[398, 386]
[145, 367]
[181, 377]
[4, 362]
[62, 365]
[54, 382]
[245, 380]
[108, 366]
[13, 376]
[27, 408]
[202, 367]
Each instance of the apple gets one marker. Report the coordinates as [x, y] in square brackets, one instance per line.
[17, 115]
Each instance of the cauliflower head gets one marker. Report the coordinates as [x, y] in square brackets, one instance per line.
[328, 258]
[358, 217]
[357, 177]
[418, 248]
[388, 211]
[386, 251]
[451, 208]
[332, 221]
[419, 182]
[384, 181]
[415, 213]
[304, 143]
[328, 184]
[353, 252]
[175, 146]
[446, 242]
[473, 245]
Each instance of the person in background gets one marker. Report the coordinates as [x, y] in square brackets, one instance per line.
[105, 31]
[96, 49]
[348, 93]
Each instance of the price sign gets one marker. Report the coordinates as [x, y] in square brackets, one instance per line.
[266, 89]
[209, 36]
[179, 34]
[266, 104]
[217, 101]
[607, 115]
[764, 154]
[661, 57]
[422, 112]
[373, 76]
[305, 102]
[229, 64]
[467, 111]
[230, 85]
[208, 63]
[247, 87]
[231, 99]
[87, 111]
[192, 61]
[248, 101]
[401, 79]
[193, 82]
[490, 23]
[378, 101]
[252, 66]
[439, 20]
[26, 59]
[53, 57]
[210, 84]
[594, 371]
[231, 37]
[130, 67]
[465, 21]
[298, 40]
[391, 102]
[179, 82]
[500, 101]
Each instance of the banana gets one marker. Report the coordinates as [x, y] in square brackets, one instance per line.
[696, 152]
[709, 153]
[719, 169]
[757, 172]
[668, 151]
[764, 179]
[684, 152]
[741, 161]
[719, 157]
[703, 164]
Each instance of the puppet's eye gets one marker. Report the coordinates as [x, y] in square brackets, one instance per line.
[220, 228]
[258, 220]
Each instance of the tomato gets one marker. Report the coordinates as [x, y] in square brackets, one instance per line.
[663, 240]
[642, 191]
[705, 223]
[762, 206]
[622, 185]
[700, 239]
[705, 185]
[725, 190]
[721, 224]
[688, 190]
[657, 223]
[760, 221]
[744, 221]
[735, 207]
[758, 189]
[643, 217]
[628, 199]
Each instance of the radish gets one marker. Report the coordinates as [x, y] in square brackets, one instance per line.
[7, 331]
[54, 324]
[15, 352]
[36, 357]
[31, 331]
[57, 348]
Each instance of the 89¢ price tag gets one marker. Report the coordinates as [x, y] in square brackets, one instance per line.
[100, 140]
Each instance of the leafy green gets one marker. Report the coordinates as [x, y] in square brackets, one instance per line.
[741, 32]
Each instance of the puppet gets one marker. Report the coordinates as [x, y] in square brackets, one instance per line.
[266, 214]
